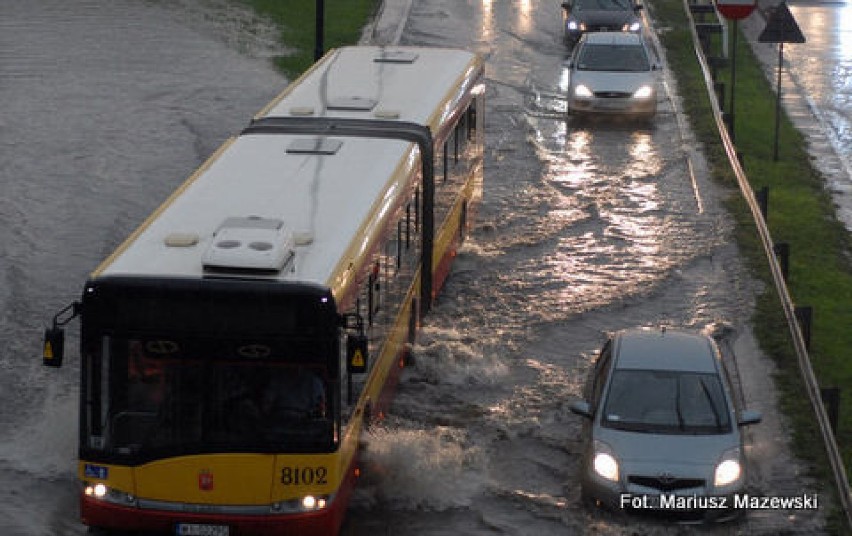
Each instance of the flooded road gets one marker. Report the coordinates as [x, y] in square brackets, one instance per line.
[584, 229]
[107, 105]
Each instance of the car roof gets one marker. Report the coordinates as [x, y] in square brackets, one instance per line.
[612, 38]
[665, 349]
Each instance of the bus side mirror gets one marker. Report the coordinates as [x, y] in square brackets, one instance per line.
[54, 347]
[356, 353]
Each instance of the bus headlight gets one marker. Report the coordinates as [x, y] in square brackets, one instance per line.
[634, 26]
[308, 503]
[104, 493]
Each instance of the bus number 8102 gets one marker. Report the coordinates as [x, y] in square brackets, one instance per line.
[295, 476]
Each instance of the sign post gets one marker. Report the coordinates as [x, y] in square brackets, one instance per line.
[734, 10]
[320, 25]
[780, 28]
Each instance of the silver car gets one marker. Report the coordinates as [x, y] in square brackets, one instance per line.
[662, 431]
[612, 73]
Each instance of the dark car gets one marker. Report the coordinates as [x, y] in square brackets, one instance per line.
[662, 427]
[581, 16]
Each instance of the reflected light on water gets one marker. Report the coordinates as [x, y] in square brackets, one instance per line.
[578, 162]
[645, 159]
[524, 13]
[486, 32]
[843, 22]
[564, 79]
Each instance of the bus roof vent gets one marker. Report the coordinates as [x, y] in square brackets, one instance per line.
[396, 56]
[320, 145]
[353, 103]
[250, 244]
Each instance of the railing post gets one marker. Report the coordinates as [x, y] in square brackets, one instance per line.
[762, 197]
[805, 316]
[831, 400]
[782, 252]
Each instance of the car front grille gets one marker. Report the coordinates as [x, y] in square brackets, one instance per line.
[603, 28]
[665, 483]
[612, 94]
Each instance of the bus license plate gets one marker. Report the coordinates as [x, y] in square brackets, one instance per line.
[195, 529]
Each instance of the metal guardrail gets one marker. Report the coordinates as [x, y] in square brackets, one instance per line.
[835, 460]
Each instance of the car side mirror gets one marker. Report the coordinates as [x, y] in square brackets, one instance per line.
[749, 417]
[566, 6]
[582, 408]
[638, 7]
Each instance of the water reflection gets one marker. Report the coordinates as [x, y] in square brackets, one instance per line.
[524, 16]
[612, 240]
[486, 32]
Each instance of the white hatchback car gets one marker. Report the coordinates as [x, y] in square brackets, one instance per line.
[612, 73]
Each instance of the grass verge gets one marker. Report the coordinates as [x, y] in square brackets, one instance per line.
[344, 20]
[801, 213]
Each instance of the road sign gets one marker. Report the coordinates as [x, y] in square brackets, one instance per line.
[781, 27]
[736, 9]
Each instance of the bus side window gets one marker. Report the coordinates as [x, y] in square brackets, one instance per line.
[398, 263]
[445, 159]
[408, 226]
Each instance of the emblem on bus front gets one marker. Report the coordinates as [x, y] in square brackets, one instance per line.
[205, 480]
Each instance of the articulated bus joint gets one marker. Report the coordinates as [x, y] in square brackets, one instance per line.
[54, 336]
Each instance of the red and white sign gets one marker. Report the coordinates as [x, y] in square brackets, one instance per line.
[736, 9]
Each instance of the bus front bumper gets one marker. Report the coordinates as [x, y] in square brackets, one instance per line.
[106, 515]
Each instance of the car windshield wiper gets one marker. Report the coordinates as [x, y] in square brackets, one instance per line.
[712, 405]
[677, 406]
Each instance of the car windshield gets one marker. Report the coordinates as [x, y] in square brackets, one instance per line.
[613, 57]
[602, 5]
[666, 402]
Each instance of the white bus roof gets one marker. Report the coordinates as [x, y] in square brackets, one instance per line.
[327, 201]
[377, 82]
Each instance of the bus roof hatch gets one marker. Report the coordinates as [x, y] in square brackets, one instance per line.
[250, 244]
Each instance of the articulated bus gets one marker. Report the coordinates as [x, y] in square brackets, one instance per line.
[238, 343]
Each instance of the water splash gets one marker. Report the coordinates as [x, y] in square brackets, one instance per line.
[408, 469]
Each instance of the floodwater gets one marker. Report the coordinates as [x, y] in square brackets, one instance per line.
[816, 88]
[822, 68]
[107, 105]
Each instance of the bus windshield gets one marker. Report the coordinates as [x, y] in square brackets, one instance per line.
[164, 397]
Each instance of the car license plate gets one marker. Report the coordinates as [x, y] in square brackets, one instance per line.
[195, 529]
[609, 104]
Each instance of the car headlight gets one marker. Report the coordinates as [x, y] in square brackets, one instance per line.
[644, 92]
[572, 25]
[634, 26]
[728, 470]
[604, 463]
[582, 91]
